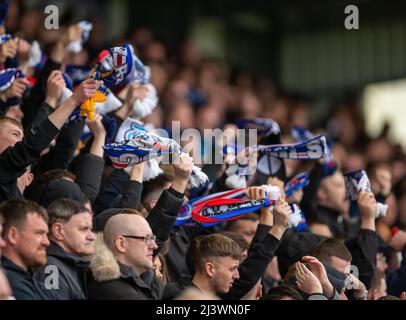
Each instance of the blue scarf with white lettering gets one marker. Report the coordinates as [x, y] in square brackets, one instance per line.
[145, 146]
[312, 149]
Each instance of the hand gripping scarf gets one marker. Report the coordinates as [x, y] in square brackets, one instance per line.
[77, 45]
[329, 165]
[225, 206]
[145, 146]
[264, 126]
[8, 76]
[113, 67]
[357, 182]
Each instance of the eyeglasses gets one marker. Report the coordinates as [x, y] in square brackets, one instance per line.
[148, 239]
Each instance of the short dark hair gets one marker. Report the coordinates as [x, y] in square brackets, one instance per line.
[10, 120]
[242, 243]
[63, 209]
[329, 248]
[283, 291]
[15, 213]
[205, 247]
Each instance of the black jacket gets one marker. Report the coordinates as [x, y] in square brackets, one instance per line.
[23, 283]
[89, 174]
[364, 248]
[117, 184]
[163, 215]
[60, 156]
[32, 104]
[339, 227]
[15, 160]
[129, 286]
[71, 273]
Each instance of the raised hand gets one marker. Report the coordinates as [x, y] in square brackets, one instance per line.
[255, 193]
[281, 213]
[86, 90]
[182, 167]
[55, 85]
[8, 50]
[367, 208]
[319, 271]
[17, 88]
[306, 280]
[74, 32]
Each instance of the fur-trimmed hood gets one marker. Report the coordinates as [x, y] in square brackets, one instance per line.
[103, 264]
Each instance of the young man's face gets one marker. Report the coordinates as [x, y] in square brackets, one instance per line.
[10, 134]
[224, 274]
[32, 241]
[78, 235]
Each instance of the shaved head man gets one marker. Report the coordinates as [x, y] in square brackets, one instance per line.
[130, 238]
[122, 265]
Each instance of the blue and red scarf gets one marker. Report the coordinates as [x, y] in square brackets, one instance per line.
[230, 205]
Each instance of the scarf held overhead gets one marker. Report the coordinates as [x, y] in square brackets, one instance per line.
[358, 181]
[145, 146]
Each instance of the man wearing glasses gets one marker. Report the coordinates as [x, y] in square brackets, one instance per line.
[130, 239]
[122, 265]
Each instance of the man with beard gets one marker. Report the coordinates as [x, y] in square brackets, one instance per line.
[25, 232]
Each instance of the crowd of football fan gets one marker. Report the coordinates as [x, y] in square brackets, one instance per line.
[73, 227]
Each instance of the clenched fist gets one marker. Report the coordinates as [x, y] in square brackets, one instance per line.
[17, 88]
[86, 90]
[182, 167]
[281, 213]
[367, 205]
